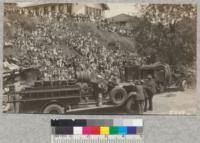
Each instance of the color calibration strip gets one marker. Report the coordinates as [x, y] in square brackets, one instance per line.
[97, 131]
[97, 127]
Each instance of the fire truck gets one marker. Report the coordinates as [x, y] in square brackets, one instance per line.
[76, 96]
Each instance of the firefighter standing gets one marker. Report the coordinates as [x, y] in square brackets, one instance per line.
[140, 97]
[97, 91]
[150, 87]
[145, 96]
[113, 79]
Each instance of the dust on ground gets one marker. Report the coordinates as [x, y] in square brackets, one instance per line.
[173, 103]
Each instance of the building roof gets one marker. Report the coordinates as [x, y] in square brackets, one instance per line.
[31, 4]
[121, 18]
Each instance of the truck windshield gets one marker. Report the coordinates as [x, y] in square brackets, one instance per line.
[131, 73]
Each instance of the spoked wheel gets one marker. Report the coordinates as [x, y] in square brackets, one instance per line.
[118, 95]
[53, 109]
[132, 106]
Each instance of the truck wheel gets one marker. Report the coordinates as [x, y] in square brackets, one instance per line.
[184, 85]
[118, 95]
[53, 109]
[131, 106]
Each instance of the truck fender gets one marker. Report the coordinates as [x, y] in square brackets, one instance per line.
[131, 104]
[130, 95]
[52, 104]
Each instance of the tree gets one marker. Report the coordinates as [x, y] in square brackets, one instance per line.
[167, 33]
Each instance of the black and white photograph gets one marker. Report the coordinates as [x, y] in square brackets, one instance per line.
[99, 58]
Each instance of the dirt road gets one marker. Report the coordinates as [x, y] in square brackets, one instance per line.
[173, 103]
[170, 103]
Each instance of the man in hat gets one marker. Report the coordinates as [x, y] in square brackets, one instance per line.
[146, 97]
[150, 87]
[140, 97]
[97, 90]
[113, 79]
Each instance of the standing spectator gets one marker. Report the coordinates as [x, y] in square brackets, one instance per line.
[151, 90]
[140, 97]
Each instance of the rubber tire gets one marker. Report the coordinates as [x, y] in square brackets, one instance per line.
[183, 85]
[113, 93]
[128, 106]
[53, 107]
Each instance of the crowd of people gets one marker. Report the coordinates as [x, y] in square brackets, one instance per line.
[121, 29]
[45, 47]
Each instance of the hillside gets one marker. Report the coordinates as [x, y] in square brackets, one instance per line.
[105, 38]
[57, 45]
